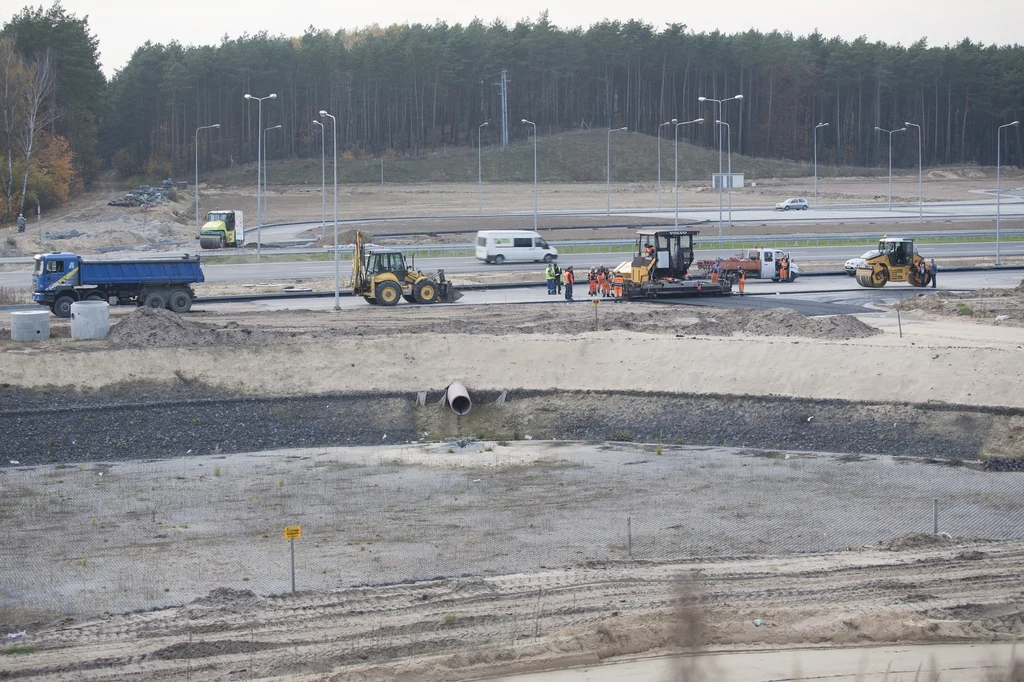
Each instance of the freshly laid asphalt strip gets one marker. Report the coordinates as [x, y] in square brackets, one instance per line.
[187, 419]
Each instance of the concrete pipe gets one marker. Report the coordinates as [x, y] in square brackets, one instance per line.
[457, 398]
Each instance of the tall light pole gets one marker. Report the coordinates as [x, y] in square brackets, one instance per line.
[889, 133]
[920, 182]
[666, 123]
[534, 171]
[820, 125]
[337, 271]
[480, 165]
[215, 125]
[608, 169]
[677, 126]
[323, 180]
[267, 130]
[728, 131]
[999, 149]
[259, 155]
[721, 180]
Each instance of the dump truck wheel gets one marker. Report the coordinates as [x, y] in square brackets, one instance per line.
[62, 306]
[96, 297]
[155, 299]
[388, 293]
[425, 292]
[180, 302]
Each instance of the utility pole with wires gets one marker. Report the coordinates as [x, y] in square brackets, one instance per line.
[503, 84]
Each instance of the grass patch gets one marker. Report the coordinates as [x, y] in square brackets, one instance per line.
[12, 296]
[964, 309]
[18, 650]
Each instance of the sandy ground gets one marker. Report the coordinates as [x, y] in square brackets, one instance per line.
[193, 524]
[538, 347]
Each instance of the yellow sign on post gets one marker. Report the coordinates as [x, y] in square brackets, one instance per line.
[292, 532]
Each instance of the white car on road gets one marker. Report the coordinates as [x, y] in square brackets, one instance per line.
[851, 265]
[792, 204]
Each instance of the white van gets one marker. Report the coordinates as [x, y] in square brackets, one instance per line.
[498, 246]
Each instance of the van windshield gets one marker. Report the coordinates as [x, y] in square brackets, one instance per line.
[541, 244]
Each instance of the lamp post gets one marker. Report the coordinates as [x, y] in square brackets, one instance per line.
[267, 130]
[677, 125]
[728, 131]
[608, 169]
[719, 102]
[999, 148]
[820, 125]
[480, 165]
[337, 271]
[666, 123]
[215, 125]
[920, 185]
[890, 132]
[534, 171]
[323, 180]
[259, 154]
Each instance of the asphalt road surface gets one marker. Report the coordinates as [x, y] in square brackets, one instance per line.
[1011, 206]
[266, 270]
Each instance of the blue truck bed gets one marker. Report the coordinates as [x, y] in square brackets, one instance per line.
[121, 272]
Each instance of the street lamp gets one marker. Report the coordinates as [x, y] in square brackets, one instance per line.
[666, 123]
[719, 102]
[337, 271]
[920, 185]
[608, 169]
[323, 180]
[728, 131]
[267, 130]
[684, 123]
[534, 171]
[890, 132]
[259, 154]
[820, 125]
[480, 165]
[999, 148]
[215, 125]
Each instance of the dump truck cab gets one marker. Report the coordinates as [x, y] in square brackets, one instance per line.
[222, 229]
[54, 271]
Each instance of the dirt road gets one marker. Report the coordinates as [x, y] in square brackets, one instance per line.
[470, 628]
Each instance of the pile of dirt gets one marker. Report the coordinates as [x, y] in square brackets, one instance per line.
[159, 327]
[916, 541]
[998, 306]
[782, 322]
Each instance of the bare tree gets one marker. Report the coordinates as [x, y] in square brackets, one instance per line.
[10, 106]
[37, 88]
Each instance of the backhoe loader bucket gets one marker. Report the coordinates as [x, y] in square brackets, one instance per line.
[449, 294]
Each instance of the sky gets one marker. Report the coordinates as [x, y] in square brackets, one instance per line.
[123, 25]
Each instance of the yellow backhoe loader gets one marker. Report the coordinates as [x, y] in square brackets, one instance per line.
[896, 260]
[381, 277]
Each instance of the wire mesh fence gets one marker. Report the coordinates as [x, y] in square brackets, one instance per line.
[100, 537]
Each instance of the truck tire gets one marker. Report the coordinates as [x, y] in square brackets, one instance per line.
[499, 259]
[155, 299]
[96, 297]
[62, 306]
[181, 302]
[425, 292]
[388, 293]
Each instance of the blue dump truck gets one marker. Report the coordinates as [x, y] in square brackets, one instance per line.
[60, 279]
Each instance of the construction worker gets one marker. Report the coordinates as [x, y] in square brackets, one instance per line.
[549, 275]
[21, 223]
[570, 279]
[650, 251]
[592, 282]
[558, 278]
[604, 279]
[922, 272]
[933, 271]
[743, 280]
[714, 274]
[783, 269]
[618, 281]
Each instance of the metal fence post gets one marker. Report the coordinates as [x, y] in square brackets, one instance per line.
[935, 515]
[629, 536]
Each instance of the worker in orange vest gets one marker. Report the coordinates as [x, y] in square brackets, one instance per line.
[743, 280]
[618, 282]
[569, 278]
[784, 270]
[714, 274]
[592, 282]
[605, 279]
